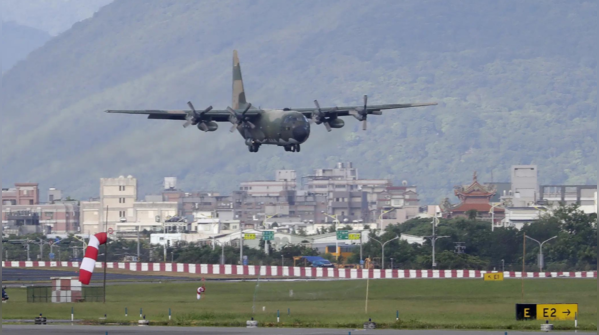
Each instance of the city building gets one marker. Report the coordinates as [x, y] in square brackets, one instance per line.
[396, 205]
[118, 209]
[22, 194]
[22, 213]
[583, 195]
[285, 180]
[524, 187]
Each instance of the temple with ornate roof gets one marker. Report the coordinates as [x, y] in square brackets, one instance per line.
[474, 197]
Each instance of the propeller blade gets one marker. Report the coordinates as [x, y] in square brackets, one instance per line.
[365, 102]
[364, 124]
[250, 124]
[187, 123]
[328, 126]
[246, 109]
[192, 108]
[233, 128]
[206, 110]
[317, 105]
[231, 111]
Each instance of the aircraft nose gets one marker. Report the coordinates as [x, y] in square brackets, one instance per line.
[301, 133]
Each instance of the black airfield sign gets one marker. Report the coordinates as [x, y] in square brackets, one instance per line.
[546, 311]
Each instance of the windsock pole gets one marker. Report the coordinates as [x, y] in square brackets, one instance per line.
[105, 251]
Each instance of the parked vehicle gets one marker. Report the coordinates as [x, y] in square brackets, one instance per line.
[4, 295]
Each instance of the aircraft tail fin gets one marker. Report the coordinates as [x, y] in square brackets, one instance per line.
[239, 100]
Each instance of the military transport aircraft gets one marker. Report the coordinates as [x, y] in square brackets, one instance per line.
[287, 127]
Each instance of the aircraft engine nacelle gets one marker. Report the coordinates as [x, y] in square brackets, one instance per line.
[210, 126]
[336, 123]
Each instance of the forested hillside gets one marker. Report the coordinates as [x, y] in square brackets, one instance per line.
[516, 83]
[18, 41]
[51, 16]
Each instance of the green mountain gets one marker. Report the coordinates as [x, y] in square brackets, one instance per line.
[52, 16]
[18, 41]
[516, 83]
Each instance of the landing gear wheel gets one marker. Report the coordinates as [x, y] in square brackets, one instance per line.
[254, 147]
[298, 148]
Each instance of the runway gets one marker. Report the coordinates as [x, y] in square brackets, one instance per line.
[102, 330]
[33, 275]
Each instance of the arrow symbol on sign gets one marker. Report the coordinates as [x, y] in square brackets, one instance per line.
[567, 312]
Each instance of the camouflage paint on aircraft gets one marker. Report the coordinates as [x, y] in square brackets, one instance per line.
[288, 127]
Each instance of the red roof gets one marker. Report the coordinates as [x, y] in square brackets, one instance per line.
[477, 207]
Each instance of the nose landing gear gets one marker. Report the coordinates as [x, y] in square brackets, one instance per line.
[293, 148]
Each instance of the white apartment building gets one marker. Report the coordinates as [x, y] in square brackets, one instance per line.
[118, 209]
[285, 180]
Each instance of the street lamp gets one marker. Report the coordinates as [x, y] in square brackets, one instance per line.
[383, 249]
[492, 211]
[337, 225]
[541, 260]
[383, 212]
[434, 239]
[266, 218]
[159, 220]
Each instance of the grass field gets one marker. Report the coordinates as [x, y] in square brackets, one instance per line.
[450, 304]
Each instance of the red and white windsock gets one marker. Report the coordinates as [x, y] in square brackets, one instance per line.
[91, 256]
[200, 290]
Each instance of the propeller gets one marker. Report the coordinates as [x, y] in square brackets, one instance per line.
[362, 113]
[239, 120]
[195, 117]
[318, 116]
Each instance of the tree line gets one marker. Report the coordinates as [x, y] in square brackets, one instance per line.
[469, 244]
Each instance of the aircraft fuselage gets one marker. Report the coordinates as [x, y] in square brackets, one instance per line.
[278, 127]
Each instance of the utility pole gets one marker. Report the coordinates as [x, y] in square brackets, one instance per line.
[138, 250]
[222, 256]
[434, 239]
[41, 249]
[240, 244]
[361, 258]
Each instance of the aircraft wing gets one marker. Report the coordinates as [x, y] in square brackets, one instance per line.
[220, 115]
[372, 109]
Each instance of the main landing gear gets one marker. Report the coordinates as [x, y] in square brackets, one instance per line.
[293, 148]
[254, 147]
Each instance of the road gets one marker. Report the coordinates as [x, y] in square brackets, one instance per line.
[84, 330]
[26, 276]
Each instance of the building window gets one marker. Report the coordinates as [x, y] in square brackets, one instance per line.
[122, 188]
[121, 200]
[122, 214]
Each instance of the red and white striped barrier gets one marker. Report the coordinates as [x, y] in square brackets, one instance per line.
[297, 272]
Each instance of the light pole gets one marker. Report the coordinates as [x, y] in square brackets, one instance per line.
[434, 239]
[492, 211]
[383, 212]
[160, 220]
[337, 225]
[391, 263]
[502, 265]
[266, 218]
[541, 260]
[383, 249]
